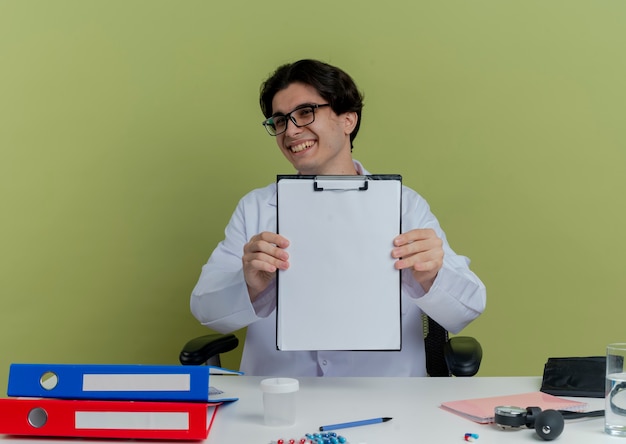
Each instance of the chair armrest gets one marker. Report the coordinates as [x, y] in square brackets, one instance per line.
[463, 355]
[200, 350]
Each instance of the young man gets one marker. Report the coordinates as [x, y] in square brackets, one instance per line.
[314, 110]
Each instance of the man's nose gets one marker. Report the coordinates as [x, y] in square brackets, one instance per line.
[292, 128]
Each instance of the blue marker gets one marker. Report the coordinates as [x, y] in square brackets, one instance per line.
[345, 425]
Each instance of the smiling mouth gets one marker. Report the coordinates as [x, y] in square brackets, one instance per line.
[301, 146]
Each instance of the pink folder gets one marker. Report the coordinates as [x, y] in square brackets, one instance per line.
[481, 410]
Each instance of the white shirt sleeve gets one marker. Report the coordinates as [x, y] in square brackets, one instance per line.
[220, 299]
[453, 301]
[457, 296]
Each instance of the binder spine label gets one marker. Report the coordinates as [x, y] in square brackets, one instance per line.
[132, 420]
[136, 382]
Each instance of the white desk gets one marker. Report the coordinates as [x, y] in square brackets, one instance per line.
[412, 402]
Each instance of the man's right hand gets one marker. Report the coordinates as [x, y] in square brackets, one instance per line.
[262, 256]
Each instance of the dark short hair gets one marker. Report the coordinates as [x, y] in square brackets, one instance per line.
[332, 83]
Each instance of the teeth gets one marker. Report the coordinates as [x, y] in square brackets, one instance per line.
[302, 146]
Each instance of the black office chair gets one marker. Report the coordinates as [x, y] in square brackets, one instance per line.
[445, 356]
[456, 356]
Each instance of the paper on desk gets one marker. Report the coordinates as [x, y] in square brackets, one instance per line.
[481, 410]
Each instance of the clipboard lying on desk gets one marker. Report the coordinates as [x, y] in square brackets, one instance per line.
[341, 291]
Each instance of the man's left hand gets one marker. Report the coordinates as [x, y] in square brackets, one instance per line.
[421, 250]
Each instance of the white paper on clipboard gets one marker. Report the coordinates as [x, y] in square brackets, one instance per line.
[341, 291]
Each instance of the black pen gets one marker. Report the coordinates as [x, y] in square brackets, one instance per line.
[345, 425]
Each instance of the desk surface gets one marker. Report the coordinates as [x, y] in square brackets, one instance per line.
[412, 402]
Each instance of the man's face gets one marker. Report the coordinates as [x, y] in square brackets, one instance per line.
[323, 147]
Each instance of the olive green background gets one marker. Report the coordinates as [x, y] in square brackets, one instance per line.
[130, 129]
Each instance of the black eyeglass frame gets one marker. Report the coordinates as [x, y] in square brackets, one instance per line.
[268, 123]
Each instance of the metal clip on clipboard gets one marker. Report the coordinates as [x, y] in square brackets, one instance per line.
[340, 183]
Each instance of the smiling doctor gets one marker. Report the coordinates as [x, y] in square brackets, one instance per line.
[313, 109]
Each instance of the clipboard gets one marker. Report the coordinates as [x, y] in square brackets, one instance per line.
[341, 291]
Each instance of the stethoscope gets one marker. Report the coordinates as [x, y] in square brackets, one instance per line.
[548, 424]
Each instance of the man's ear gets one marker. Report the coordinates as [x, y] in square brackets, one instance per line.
[350, 121]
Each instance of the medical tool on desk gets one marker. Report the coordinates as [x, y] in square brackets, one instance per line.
[548, 424]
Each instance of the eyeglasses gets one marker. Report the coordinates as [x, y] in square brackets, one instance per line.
[303, 115]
